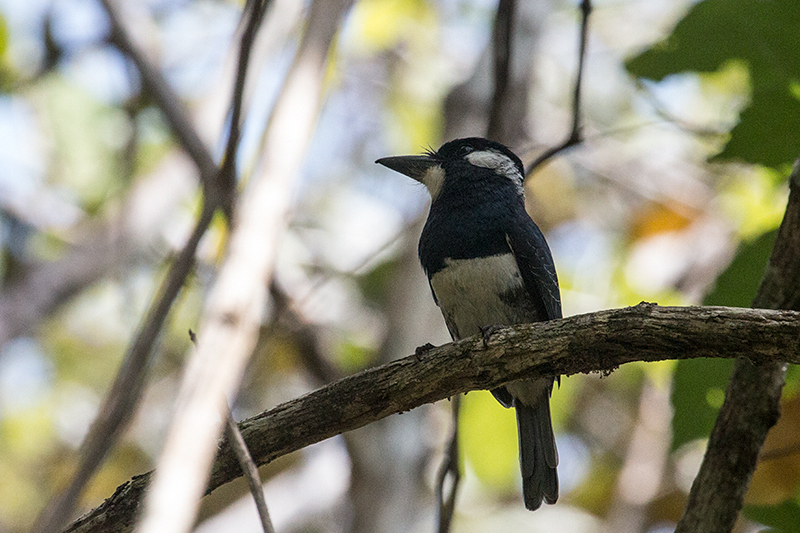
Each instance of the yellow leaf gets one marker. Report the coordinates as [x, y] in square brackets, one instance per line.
[489, 439]
[777, 476]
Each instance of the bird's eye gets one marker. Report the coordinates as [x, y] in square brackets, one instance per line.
[464, 150]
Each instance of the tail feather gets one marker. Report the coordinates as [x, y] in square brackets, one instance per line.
[538, 457]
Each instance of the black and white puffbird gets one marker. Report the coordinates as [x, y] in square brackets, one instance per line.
[488, 264]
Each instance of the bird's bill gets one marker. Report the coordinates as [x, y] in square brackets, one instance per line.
[413, 166]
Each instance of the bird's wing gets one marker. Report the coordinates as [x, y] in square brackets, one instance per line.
[536, 266]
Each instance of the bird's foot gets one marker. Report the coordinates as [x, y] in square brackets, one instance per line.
[487, 332]
[422, 350]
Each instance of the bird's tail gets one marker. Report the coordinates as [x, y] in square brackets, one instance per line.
[538, 457]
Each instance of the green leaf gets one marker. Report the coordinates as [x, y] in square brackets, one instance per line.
[783, 518]
[737, 286]
[764, 132]
[698, 389]
[762, 33]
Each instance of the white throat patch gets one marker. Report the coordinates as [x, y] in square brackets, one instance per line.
[499, 162]
[433, 180]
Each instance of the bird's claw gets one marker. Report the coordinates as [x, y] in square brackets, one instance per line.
[422, 350]
[487, 332]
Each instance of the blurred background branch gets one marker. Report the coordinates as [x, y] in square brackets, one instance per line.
[575, 136]
[236, 303]
[168, 102]
[123, 396]
[502, 53]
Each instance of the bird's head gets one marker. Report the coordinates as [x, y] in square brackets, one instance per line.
[461, 164]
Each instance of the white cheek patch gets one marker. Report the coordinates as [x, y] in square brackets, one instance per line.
[500, 163]
[433, 179]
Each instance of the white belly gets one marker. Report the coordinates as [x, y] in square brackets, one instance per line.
[474, 293]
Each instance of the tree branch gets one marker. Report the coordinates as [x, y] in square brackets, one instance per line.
[752, 402]
[592, 342]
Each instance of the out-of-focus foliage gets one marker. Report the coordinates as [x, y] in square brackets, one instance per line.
[674, 197]
[737, 285]
[711, 37]
[764, 36]
[698, 390]
[488, 437]
[781, 518]
[87, 136]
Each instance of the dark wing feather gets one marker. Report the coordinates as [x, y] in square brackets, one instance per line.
[536, 266]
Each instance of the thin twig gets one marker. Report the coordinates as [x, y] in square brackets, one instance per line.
[237, 301]
[575, 135]
[249, 468]
[226, 179]
[449, 471]
[123, 396]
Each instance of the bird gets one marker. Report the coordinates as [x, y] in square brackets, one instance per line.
[488, 265]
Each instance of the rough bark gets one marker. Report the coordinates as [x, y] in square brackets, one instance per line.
[592, 342]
